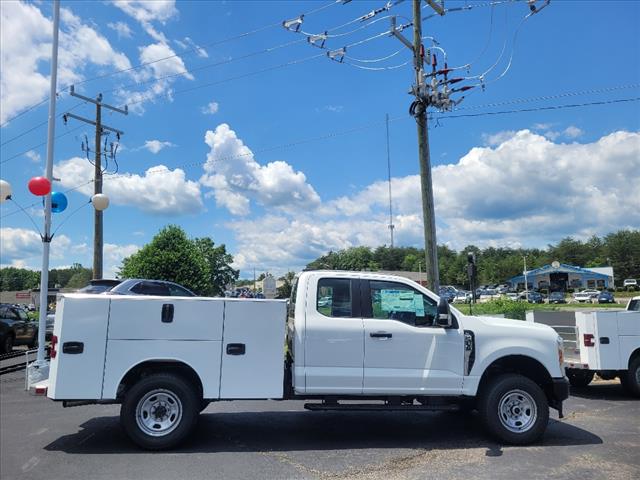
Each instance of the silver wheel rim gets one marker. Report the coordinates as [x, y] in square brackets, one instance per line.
[159, 412]
[517, 411]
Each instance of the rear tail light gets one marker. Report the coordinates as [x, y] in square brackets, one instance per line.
[54, 344]
[588, 340]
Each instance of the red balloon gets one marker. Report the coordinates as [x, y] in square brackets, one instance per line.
[39, 186]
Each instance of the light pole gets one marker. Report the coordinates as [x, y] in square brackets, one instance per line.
[526, 283]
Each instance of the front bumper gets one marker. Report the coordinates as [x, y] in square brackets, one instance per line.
[559, 393]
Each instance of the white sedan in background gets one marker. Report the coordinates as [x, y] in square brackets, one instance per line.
[585, 295]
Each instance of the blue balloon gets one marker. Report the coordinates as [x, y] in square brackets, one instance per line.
[58, 202]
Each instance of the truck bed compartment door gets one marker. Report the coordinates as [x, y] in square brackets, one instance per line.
[81, 328]
[253, 349]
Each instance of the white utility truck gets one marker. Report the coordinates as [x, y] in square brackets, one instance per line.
[383, 341]
[606, 343]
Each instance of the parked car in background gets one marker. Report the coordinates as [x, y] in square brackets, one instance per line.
[99, 285]
[586, 295]
[606, 297]
[535, 297]
[447, 293]
[462, 297]
[630, 283]
[557, 297]
[16, 328]
[141, 286]
[512, 296]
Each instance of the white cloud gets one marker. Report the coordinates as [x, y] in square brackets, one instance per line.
[25, 36]
[188, 44]
[33, 156]
[20, 246]
[113, 255]
[211, 108]
[572, 132]
[235, 177]
[146, 12]
[331, 108]
[154, 146]
[121, 28]
[158, 191]
[163, 67]
[527, 191]
[497, 138]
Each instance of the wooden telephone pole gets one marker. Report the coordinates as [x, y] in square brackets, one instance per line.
[98, 237]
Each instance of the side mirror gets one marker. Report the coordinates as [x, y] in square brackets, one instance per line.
[443, 317]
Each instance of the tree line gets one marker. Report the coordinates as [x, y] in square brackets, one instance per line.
[620, 250]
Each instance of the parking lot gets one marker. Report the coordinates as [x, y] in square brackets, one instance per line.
[599, 438]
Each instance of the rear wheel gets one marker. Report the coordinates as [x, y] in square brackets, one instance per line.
[160, 411]
[514, 409]
[7, 344]
[631, 378]
[34, 341]
[580, 379]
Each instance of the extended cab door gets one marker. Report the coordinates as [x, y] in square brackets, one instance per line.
[334, 350]
[405, 352]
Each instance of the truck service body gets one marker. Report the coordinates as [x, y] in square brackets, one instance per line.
[381, 339]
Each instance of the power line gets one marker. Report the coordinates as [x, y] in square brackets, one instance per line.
[339, 133]
[189, 51]
[38, 146]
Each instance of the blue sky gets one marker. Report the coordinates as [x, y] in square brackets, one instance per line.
[243, 149]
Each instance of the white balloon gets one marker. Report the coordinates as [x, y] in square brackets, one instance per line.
[100, 201]
[5, 191]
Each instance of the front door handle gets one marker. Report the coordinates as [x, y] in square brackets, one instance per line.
[236, 349]
[383, 335]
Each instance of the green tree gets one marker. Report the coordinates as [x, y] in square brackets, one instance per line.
[12, 278]
[622, 250]
[170, 256]
[221, 274]
[284, 291]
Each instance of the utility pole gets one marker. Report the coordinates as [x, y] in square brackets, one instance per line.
[419, 111]
[98, 237]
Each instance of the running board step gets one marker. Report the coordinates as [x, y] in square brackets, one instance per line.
[364, 407]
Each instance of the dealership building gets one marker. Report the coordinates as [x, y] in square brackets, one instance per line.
[561, 277]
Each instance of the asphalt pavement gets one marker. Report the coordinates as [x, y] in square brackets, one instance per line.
[39, 439]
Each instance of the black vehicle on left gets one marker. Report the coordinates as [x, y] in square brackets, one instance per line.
[16, 328]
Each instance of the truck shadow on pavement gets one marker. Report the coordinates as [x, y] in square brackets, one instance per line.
[300, 431]
[603, 390]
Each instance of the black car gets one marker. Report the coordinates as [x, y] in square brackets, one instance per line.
[557, 297]
[606, 297]
[99, 285]
[16, 328]
[141, 286]
[535, 297]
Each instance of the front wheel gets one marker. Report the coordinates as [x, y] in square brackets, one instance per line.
[7, 344]
[514, 409]
[630, 379]
[160, 411]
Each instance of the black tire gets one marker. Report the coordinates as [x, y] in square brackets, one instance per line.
[204, 404]
[630, 379]
[530, 404]
[580, 379]
[34, 341]
[7, 344]
[160, 385]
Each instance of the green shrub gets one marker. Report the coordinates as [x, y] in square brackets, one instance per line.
[508, 308]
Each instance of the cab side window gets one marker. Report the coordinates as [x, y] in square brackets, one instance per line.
[396, 301]
[334, 297]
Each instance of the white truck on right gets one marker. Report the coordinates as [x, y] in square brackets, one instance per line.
[606, 343]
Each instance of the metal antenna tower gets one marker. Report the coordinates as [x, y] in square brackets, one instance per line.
[391, 225]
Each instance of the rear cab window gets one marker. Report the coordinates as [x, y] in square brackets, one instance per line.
[334, 297]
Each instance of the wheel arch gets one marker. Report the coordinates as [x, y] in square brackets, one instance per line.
[635, 354]
[523, 365]
[149, 367]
